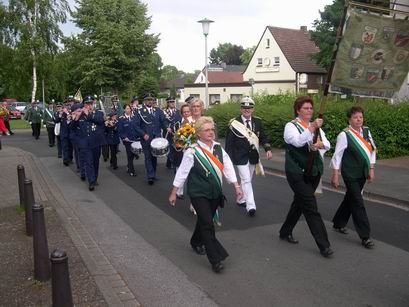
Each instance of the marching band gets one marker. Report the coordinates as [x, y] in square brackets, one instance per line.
[83, 131]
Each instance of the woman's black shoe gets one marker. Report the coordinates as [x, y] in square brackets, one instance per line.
[217, 267]
[200, 250]
[342, 230]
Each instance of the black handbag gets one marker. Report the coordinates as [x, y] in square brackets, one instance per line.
[253, 156]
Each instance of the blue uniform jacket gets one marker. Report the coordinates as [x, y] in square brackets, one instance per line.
[64, 127]
[89, 129]
[127, 127]
[151, 124]
[112, 134]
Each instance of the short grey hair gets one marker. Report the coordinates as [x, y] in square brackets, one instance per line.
[202, 121]
[195, 100]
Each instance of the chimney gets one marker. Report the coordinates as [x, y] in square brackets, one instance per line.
[304, 28]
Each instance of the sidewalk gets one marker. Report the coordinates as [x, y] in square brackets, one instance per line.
[391, 177]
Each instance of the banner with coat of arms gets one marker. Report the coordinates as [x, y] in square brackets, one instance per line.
[372, 58]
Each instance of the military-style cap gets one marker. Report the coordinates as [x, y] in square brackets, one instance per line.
[170, 99]
[59, 104]
[88, 99]
[189, 99]
[148, 96]
[76, 106]
[247, 102]
[134, 98]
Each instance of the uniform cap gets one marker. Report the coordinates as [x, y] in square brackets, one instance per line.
[148, 96]
[170, 99]
[76, 106]
[88, 99]
[247, 102]
[134, 98]
[189, 99]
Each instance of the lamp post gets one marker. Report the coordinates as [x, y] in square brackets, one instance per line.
[205, 26]
[251, 81]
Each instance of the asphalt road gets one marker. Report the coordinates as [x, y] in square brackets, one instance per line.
[262, 270]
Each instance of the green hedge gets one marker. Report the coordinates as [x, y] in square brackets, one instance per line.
[389, 124]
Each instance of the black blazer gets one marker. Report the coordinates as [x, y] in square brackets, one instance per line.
[239, 149]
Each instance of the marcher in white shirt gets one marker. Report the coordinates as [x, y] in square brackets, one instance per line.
[203, 166]
[298, 136]
[355, 157]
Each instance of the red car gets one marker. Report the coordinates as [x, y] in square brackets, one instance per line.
[13, 112]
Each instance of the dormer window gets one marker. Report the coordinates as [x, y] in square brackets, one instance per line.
[259, 61]
[276, 61]
[268, 43]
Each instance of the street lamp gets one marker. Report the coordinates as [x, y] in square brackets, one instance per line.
[205, 25]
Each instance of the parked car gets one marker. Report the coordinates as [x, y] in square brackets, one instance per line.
[13, 112]
[20, 106]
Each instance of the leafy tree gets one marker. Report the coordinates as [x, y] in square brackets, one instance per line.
[113, 48]
[34, 30]
[226, 53]
[325, 29]
[191, 77]
[170, 72]
[246, 55]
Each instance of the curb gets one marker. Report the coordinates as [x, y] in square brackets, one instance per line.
[111, 284]
[368, 195]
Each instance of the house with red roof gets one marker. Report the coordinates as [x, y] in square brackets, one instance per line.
[280, 63]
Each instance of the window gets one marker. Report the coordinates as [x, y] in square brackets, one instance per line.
[259, 61]
[214, 99]
[268, 43]
[236, 97]
[276, 61]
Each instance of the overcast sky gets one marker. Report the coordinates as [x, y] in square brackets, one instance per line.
[239, 22]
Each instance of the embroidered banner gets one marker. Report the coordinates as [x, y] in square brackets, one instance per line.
[372, 59]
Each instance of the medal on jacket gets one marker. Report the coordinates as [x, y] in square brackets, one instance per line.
[93, 127]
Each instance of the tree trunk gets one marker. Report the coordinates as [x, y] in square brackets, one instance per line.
[33, 93]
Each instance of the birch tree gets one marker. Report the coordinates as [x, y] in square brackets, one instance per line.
[34, 26]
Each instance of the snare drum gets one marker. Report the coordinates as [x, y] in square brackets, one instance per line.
[136, 148]
[159, 147]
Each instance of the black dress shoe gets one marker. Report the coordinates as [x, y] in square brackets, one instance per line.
[132, 174]
[66, 163]
[91, 187]
[289, 239]
[151, 181]
[368, 243]
[252, 212]
[200, 250]
[242, 204]
[326, 252]
[217, 267]
[59, 156]
[342, 230]
[115, 167]
[83, 178]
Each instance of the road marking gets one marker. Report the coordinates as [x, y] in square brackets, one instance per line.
[382, 202]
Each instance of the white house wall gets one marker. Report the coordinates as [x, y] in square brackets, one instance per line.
[273, 88]
[267, 71]
[224, 92]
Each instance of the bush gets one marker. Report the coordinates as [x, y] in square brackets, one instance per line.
[389, 124]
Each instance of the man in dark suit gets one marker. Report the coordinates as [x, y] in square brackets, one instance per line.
[89, 125]
[174, 118]
[151, 122]
[244, 136]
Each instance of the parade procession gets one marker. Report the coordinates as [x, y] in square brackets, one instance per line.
[274, 175]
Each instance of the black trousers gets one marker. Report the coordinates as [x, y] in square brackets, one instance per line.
[113, 149]
[51, 136]
[105, 151]
[353, 204]
[204, 233]
[7, 124]
[36, 127]
[305, 203]
[130, 156]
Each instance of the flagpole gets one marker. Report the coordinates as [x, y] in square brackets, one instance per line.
[323, 99]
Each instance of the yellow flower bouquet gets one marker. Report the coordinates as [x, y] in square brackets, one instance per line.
[184, 137]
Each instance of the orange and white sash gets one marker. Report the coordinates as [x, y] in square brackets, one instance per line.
[210, 163]
[364, 147]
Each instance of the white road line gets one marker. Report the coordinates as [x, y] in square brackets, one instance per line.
[383, 202]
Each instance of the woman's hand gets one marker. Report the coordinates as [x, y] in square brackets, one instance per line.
[371, 175]
[239, 192]
[335, 179]
[172, 197]
[269, 155]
